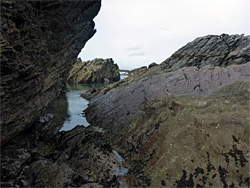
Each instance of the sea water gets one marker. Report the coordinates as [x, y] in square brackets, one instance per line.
[76, 105]
[67, 110]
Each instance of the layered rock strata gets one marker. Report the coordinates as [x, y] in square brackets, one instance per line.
[190, 141]
[183, 124]
[222, 50]
[124, 102]
[95, 71]
[40, 41]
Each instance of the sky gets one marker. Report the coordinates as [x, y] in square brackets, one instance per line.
[135, 33]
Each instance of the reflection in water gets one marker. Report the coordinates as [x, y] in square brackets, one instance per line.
[65, 111]
[58, 110]
[76, 105]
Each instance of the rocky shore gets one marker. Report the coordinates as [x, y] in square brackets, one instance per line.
[95, 71]
[77, 158]
[183, 123]
[40, 41]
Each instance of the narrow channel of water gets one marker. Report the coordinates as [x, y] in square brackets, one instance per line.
[67, 110]
[76, 105]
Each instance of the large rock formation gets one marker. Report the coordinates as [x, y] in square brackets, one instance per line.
[214, 50]
[40, 41]
[190, 141]
[118, 107]
[184, 123]
[95, 71]
[115, 108]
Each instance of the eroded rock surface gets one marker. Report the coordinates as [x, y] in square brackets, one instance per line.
[184, 123]
[120, 105]
[190, 141]
[77, 158]
[40, 41]
[123, 100]
[222, 50]
[95, 71]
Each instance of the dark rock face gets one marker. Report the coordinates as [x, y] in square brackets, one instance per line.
[40, 41]
[152, 65]
[214, 50]
[95, 71]
[68, 159]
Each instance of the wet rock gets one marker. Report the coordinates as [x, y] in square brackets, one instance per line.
[40, 40]
[95, 71]
[80, 157]
[45, 173]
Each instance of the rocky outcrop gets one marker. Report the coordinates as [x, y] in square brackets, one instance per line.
[80, 157]
[222, 50]
[95, 71]
[40, 41]
[115, 108]
[183, 124]
[118, 107]
[190, 141]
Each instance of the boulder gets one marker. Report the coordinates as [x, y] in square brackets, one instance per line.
[95, 71]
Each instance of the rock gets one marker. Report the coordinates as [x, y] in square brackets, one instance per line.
[80, 157]
[119, 106]
[139, 71]
[213, 50]
[120, 103]
[46, 173]
[152, 65]
[95, 71]
[40, 40]
[182, 124]
[190, 141]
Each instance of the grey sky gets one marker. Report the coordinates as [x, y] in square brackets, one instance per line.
[138, 32]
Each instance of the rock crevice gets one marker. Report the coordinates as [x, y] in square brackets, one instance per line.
[40, 41]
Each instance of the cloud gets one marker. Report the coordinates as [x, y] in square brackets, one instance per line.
[133, 48]
[160, 27]
[137, 54]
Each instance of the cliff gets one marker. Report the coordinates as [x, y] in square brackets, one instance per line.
[95, 71]
[40, 41]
